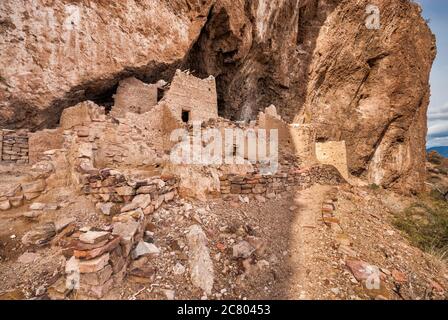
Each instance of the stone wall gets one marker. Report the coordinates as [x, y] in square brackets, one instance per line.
[42, 141]
[269, 120]
[267, 185]
[194, 95]
[135, 96]
[333, 153]
[298, 140]
[304, 140]
[14, 146]
[82, 114]
[109, 185]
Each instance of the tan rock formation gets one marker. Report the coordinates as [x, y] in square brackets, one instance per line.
[373, 92]
[315, 60]
[54, 54]
[259, 52]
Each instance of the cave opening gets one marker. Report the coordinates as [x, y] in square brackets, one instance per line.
[160, 94]
[206, 58]
[101, 92]
[103, 98]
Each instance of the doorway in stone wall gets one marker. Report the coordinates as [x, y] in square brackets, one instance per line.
[186, 116]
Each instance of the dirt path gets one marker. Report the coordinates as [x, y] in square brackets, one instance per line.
[304, 240]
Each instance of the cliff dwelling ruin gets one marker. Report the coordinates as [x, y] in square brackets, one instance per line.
[213, 149]
[118, 156]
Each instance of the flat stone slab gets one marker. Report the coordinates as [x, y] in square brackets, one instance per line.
[93, 237]
[95, 252]
[94, 265]
[144, 249]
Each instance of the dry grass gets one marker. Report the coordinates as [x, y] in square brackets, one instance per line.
[426, 224]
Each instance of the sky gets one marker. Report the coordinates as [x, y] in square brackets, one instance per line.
[437, 12]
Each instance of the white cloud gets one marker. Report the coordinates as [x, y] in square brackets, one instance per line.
[437, 142]
[438, 113]
[438, 126]
[439, 129]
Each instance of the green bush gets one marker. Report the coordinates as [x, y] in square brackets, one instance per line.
[374, 186]
[426, 224]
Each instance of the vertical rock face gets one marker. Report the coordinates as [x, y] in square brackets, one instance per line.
[314, 59]
[370, 88]
[259, 52]
[54, 54]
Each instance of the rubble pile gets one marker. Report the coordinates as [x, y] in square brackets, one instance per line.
[14, 195]
[99, 258]
[96, 264]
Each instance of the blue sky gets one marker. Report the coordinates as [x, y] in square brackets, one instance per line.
[437, 12]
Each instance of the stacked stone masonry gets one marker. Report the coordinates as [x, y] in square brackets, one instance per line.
[99, 259]
[14, 146]
[111, 186]
[194, 96]
[259, 184]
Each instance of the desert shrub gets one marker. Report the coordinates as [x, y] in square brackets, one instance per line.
[426, 225]
[436, 195]
[443, 170]
[434, 157]
[374, 186]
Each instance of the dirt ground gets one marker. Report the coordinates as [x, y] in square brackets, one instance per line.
[299, 256]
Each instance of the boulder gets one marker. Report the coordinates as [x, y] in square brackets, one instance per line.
[16, 201]
[242, 250]
[144, 249]
[32, 214]
[34, 186]
[201, 265]
[109, 208]
[10, 190]
[37, 206]
[28, 258]
[63, 223]
[5, 205]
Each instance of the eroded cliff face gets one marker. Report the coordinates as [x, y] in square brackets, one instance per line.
[314, 59]
[54, 54]
[370, 88]
[259, 52]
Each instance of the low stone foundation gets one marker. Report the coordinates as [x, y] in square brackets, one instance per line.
[14, 146]
[258, 184]
[111, 186]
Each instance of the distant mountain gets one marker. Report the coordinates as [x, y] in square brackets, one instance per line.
[443, 151]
